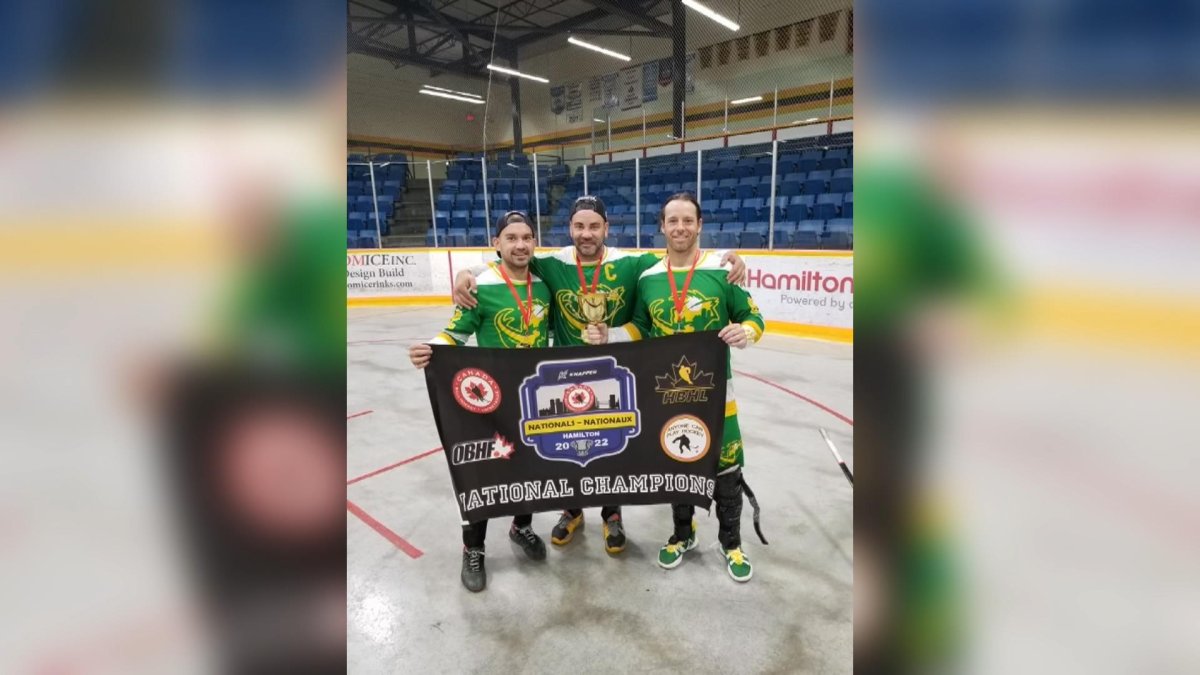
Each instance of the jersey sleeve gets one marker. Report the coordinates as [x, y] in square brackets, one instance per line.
[743, 310]
[463, 325]
[638, 327]
[646, 261]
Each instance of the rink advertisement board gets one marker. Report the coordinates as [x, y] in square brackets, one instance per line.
[816, 290]
[804, 293]
[386, 273]
[533, 430]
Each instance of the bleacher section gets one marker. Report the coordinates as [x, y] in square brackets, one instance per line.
[391, 176]
[814, 196]
[462, 204]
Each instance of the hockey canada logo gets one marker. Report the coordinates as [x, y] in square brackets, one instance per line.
[684, 384]
[685, 438]
[476, 391]
[496, 447]
[579, 410]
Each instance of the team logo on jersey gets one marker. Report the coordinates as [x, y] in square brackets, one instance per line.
[685, 438]
[579, 410]
[685, 383]
[496, 447]
[699, 314]
[476, 391]
[568, 304]
[513, 334]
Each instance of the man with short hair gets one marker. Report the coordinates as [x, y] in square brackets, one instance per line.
[513, 311]
[688, 292]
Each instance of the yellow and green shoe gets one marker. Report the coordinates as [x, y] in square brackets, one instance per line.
[738, 564]
[671, 555]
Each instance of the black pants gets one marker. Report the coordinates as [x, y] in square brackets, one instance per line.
[605, 512]
[475, 533]
[728, 502]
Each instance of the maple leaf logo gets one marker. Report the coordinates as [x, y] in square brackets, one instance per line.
[684, 374]
[503, 449]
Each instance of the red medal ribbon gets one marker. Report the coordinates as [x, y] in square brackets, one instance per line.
[595, 275]
[680, 298]
[526, 308]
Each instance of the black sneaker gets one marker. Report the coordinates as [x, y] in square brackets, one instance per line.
[532, 544]
[614, 534]
[564, 531]
[474, 575]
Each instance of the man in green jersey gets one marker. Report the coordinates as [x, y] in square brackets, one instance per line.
[591, 283]
[513, 312]
[684, 293]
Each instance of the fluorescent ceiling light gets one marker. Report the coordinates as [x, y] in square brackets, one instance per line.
[740, 101]
[456, 98]
[711, 14]
[452, 91]
[596, 120]
[509, 71]
[597, 48]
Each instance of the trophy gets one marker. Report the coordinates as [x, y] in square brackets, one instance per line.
[594, 307]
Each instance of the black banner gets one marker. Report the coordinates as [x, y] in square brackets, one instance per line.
[536, 430]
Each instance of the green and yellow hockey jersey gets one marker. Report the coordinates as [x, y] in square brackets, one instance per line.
[711, 304]
[496, 321]
[618, 278]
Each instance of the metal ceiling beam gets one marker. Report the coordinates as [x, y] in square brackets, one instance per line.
[442, 20]
[633, 16]
[412, 35]
[465, 27]
[468, 53]
[546, 32]
[402, 57]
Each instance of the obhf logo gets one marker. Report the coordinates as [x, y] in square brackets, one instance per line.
[496, 447]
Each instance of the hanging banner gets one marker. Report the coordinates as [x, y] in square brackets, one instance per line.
[557, 99]
[664, 72]
[650, 82]
[631, 88]
[540, 430]
[609, 87]
[594, 89]
[575, 96]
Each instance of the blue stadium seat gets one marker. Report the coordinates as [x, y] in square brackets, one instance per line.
[805, 239]
[836, 240]
[813, 187]
[727, 239]
[841, 184]
[827, 206]
[753, 240]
